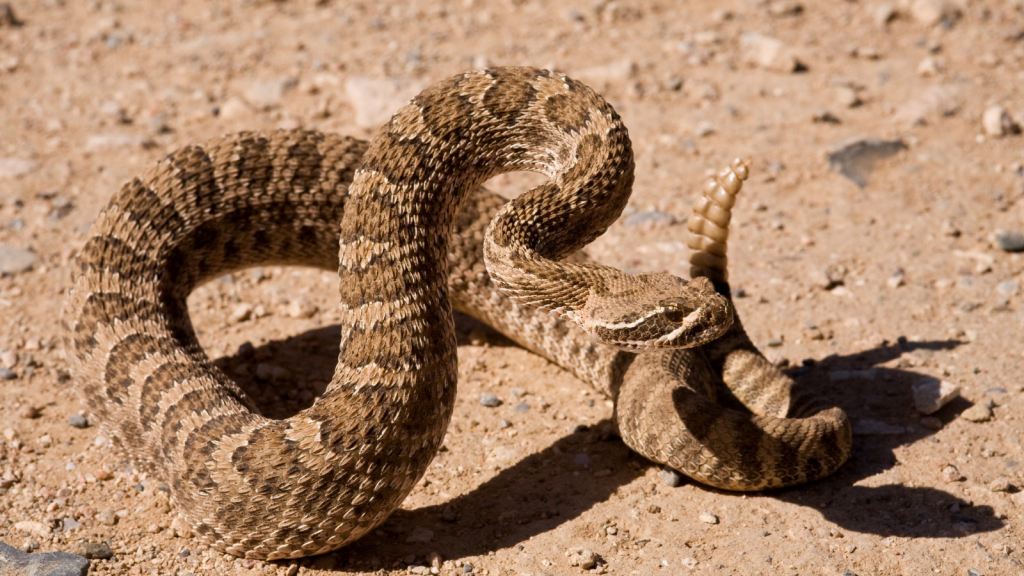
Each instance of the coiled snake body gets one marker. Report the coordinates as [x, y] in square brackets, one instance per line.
[263, 488]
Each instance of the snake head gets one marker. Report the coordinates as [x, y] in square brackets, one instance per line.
[656, 311]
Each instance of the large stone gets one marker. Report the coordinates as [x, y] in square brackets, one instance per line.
[14, 260]
[14, 562]
[376, 99]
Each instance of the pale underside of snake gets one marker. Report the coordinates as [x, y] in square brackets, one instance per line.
[417, 236]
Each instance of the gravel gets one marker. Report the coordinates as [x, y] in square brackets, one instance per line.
[16, 562]
[490, 400]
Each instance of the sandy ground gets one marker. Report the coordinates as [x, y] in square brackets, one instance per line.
[92, 93]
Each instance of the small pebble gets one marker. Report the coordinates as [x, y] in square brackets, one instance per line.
[240, 313]
[671, 477]
[292, 570]
[420, 535]
[708, 518]
[1009, 240]
[7, 373]
[94, 550]
[503, 423]
[106, 517]
[931, 394]
[300, 308]
[489, 400]
[997, 122]
[467, 568]
[1008, 288]
[1000, 485]
[822, 116]
[521, 408]
[769, 53]
[14, 260]
[931, 423]
[78, 421]
[980, 412]
[588, 559]
[951, 474]
[28, 412]
[582, 460]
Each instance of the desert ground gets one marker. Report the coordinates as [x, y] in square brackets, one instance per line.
[877, 246]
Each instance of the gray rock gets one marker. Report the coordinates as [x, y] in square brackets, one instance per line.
[931, 394]
[489, 400]
[376, 99]
[671, 477]
[650, 218]
[1009, 240]
[855, 158]
[1008, 288]
[521, 408]
[14, 260]
[78, 421]
[582, 460]
[70, 524]
[7, 373]
[14, 562]
[14, 167]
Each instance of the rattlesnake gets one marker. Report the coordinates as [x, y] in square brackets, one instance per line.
[317, 481]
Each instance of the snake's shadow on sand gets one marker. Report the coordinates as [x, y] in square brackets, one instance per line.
[540, 492]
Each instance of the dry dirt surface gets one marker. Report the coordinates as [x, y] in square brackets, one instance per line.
[866, 268]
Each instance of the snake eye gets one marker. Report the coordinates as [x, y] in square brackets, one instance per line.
[674, 314]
